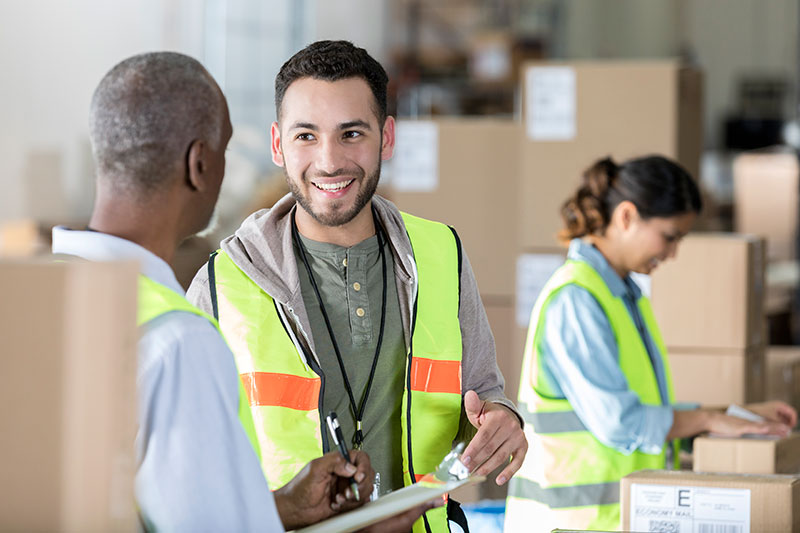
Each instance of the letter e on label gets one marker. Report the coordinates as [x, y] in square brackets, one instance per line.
[684, 497]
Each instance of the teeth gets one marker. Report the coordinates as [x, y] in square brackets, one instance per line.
[332, 187]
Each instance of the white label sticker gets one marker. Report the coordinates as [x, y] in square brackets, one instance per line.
[550, 103]
[533, 271]
[686, 509]
[415, 163]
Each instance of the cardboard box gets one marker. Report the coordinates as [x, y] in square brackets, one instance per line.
[463, 172]
[712, 294]
[669, 500]
[718, 377]
[20, 238]
[783, 374]
[747, 455]
[766, 187]
[578, 112]
[68, 391]
[533, 270]
[509, 357]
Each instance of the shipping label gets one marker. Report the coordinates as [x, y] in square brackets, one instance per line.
[550, 103]
[687, 509]
[415, 163]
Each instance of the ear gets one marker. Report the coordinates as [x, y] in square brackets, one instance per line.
[275, 144]
[198, 166]
[626, 214]
[387, 146]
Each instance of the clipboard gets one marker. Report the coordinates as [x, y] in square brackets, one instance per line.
[450, 475]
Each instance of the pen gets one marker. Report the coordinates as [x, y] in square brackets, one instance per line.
[338, 438]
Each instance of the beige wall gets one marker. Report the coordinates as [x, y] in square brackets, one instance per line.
[53, 54]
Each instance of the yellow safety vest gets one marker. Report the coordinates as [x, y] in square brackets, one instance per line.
[155, 300]
[283, 382]
[569, 479]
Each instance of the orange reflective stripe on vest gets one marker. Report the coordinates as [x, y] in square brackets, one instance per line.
[432, 375]
[281, 390]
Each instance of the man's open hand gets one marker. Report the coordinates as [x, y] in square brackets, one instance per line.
[499, 437]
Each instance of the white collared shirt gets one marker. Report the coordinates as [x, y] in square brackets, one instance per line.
[196, 468]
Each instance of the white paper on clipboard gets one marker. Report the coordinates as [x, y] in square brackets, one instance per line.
[387, 506]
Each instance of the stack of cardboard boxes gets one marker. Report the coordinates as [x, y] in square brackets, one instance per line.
[708, 302]
[783, 374]
[766, 187]
[738, 484]
[767, 198]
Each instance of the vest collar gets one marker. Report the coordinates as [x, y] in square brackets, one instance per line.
[262, 247]
[580, 250]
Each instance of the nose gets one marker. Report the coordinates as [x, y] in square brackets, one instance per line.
[329, 158]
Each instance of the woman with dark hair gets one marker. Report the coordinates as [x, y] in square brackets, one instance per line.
[595, 391]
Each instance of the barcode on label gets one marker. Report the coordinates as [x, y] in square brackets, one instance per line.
[664, 526]
[719, 528]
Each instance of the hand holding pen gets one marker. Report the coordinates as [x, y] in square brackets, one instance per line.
[318, 491]
[338, 439]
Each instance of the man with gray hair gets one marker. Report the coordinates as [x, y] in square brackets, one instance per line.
[159, 127]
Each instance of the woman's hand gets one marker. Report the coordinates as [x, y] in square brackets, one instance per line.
[775, 411]
[733, 426]
[780, 419]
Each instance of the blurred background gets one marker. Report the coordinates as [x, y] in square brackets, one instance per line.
[445, 57]
[500, 105]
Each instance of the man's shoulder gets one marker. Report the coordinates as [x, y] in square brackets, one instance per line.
[174, 331]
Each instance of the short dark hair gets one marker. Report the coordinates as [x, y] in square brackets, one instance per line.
[657, 186]
[333, 61]
[145, 113]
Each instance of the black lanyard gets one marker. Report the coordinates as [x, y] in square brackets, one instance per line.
[358, 412]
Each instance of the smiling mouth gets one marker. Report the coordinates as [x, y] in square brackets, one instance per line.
[333, 187]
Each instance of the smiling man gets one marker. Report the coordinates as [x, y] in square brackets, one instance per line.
[333, 300]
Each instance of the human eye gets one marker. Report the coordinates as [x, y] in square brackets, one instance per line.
[352, 134]
[305, 136]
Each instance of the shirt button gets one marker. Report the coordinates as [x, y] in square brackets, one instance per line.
[344, 261]
[360, 311]
[356, 286]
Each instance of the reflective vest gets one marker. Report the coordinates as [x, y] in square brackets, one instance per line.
[569, 479]
[155, 300]
[284, 382]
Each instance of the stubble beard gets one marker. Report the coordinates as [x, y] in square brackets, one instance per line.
[335, 216]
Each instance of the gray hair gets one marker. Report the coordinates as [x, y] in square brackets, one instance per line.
[146, 112]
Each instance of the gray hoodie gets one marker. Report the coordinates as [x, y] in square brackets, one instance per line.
[263, 249]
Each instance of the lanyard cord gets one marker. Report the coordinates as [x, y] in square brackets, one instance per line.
[358, 412]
